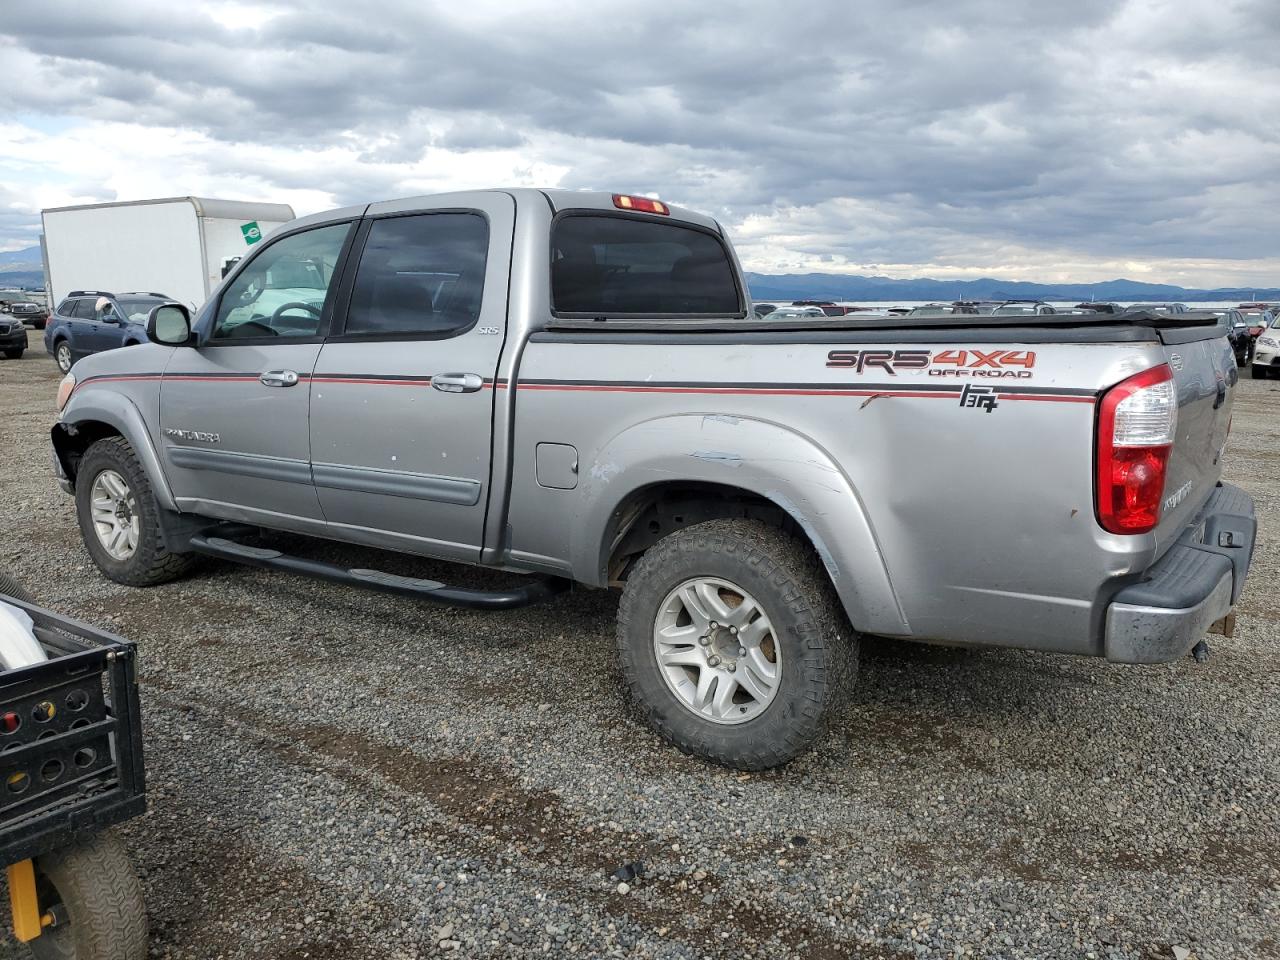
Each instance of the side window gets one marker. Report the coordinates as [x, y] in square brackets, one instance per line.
[420, 276]
[65, 307]
[281, 293]
[83, 309]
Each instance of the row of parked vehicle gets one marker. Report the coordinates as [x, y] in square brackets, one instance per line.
[1255, 327]
[91, 321]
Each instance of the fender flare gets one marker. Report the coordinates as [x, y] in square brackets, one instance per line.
[761, 457]
[118, 412]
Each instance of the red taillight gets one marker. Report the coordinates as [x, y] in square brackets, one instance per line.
[640, 204]
[1137, 422]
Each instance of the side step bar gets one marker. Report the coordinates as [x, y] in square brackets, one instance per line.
[433, 590]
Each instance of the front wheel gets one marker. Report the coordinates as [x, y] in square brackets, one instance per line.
[120, 519]
[14, 354]
[62, 355]
[1259, 373]
[732, 643]
[96, 901]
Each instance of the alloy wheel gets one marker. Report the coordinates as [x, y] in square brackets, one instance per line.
[717, 651]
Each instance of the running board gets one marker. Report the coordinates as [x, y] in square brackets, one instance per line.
[540, 589]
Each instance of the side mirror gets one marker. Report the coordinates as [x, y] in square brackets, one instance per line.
[170, 324]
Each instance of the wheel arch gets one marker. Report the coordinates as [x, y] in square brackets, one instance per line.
[107, 414]
[665, 474]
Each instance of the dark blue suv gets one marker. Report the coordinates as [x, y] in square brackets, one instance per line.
[90, 321]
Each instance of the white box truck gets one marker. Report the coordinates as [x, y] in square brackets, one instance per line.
[178, 246]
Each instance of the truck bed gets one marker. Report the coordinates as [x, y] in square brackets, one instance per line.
[1053, 328]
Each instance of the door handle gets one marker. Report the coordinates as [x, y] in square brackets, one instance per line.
[457, 382]
[279, 378]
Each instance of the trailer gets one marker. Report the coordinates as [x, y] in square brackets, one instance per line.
[179, 245]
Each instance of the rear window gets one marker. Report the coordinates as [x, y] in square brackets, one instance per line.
[610, 266]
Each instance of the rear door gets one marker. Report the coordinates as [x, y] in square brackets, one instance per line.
[233, 411]
[83, 327]
[402, 395]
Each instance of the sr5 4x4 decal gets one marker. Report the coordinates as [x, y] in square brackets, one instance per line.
[970, 362]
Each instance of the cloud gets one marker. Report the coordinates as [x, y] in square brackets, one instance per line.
[962, 137]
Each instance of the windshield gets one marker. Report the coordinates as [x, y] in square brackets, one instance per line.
[137, 310]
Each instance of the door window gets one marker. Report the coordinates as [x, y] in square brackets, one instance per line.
[83, 310]
[420, 276]
[281, 294]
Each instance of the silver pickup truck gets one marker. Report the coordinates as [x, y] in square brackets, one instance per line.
[573, 386]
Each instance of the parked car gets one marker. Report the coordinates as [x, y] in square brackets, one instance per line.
[1022, 308]
[1258, 318]
[91, 321]
[1266, 352]
[567, 384]
[28, 311]
[942, 310]
[1100, 306]
[983, 307]
[797, 312]
[1168, 309]
[763, 309]
[1238, 334]
[13, 337]
[827, 307]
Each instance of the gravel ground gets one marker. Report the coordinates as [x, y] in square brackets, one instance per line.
[341, 774]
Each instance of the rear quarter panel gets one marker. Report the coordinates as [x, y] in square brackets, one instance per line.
[979, 516]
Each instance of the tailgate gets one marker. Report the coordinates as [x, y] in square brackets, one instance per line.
[1204, 370]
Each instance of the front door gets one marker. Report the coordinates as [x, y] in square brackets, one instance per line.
[402, 395]
[233, 411]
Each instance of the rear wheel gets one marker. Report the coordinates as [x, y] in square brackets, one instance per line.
[120, 519]
[96, 900]
[732, 642]
[62, 355]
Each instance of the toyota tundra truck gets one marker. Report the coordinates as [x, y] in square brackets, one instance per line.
[572, 386]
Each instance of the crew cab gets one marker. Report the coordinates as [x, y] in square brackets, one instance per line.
[571, 386]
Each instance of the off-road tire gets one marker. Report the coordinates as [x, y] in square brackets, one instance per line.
[102, 898]
[11, 587]
[819, 648]
[14, 354]
[152, 562]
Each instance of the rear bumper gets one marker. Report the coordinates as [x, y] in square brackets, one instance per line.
[1194, 584]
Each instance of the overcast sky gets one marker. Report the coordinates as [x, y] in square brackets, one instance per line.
[1044, 140]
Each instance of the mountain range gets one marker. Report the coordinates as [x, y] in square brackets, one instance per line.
[23, 268]
[839, 286]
